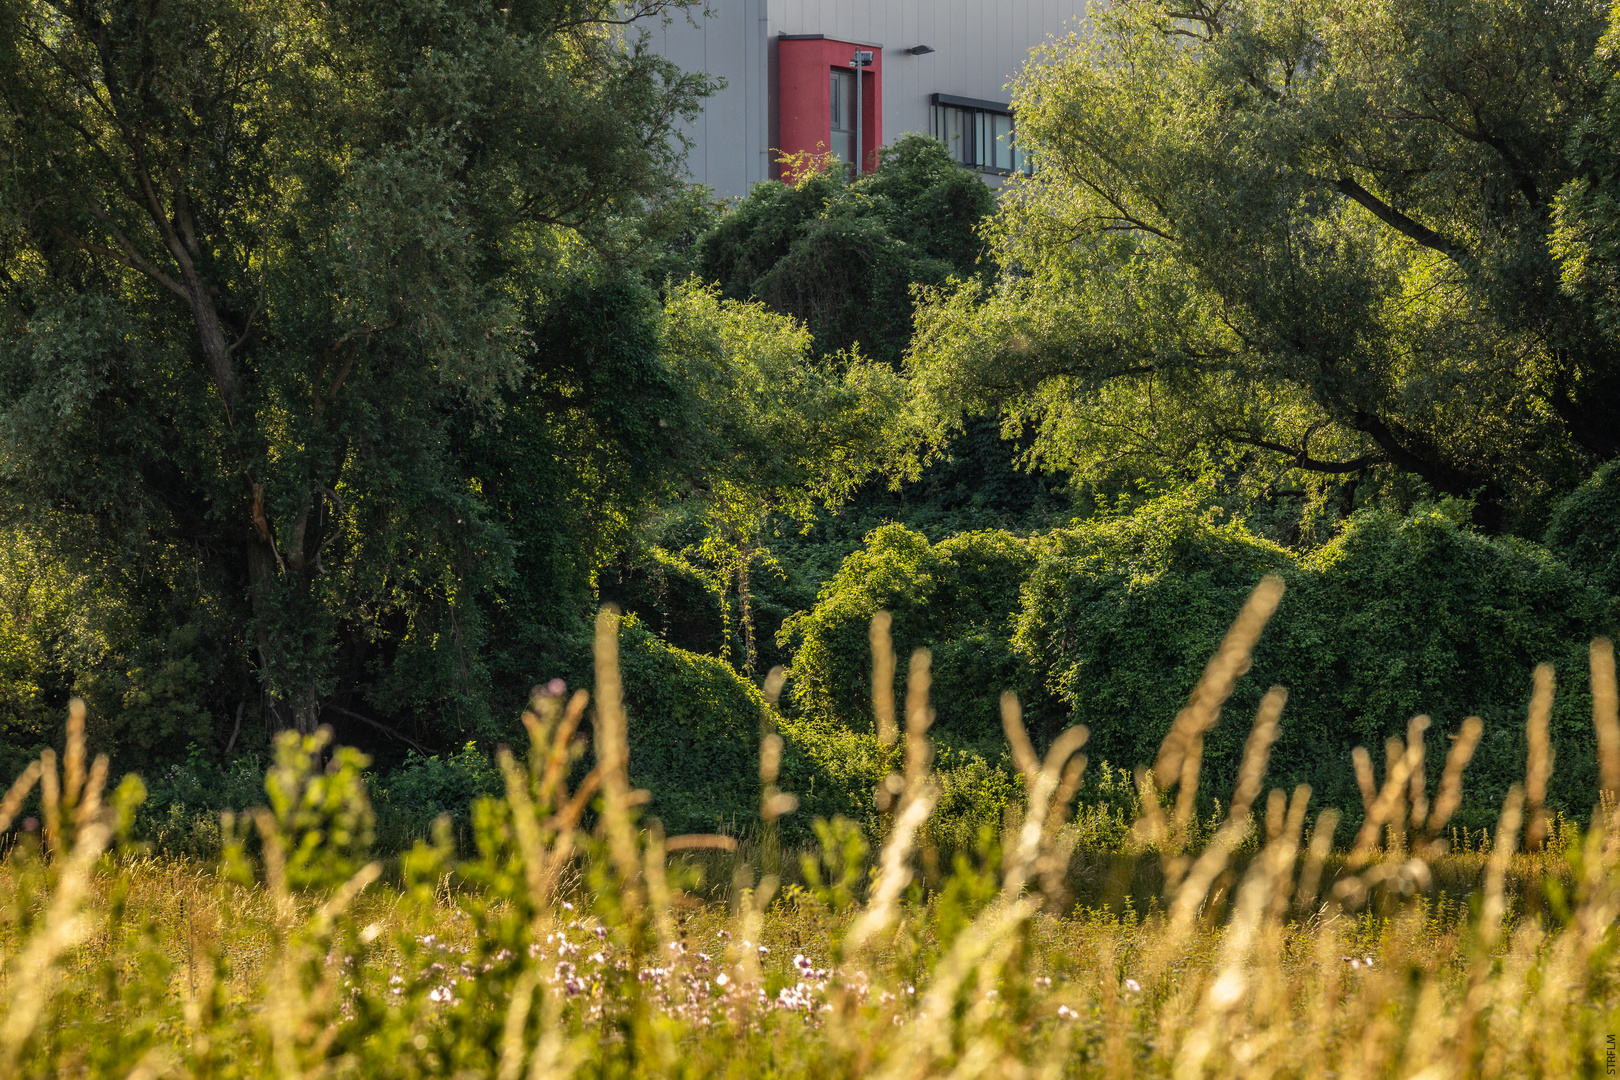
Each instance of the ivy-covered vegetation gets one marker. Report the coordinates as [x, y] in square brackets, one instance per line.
[843, 631]
[342, 381]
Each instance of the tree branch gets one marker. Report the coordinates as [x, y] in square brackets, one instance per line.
[379, 725]
[129, 257]
[1301, 458]
[1400, 222]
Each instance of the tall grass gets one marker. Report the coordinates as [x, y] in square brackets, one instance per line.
[579, 940]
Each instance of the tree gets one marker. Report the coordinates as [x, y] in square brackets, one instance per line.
[1295, 243]
[269, 269]
[775, 432]
[844, 257]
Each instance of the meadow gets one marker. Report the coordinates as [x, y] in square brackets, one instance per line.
[576, 939]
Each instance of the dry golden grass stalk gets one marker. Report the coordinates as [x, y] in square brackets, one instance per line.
[1220, 675]
[894, 871]
[1248, 931]
[772, 803]
[1507, 839]
[1056, 850]
[1539, 765]
[775, 679]
[700, 842]
[613, 752]
[1394, 750]
[659, 900]
[1190, 894]
[1150, 830]
[883, 679]
[33, 976]
[1457, 759]
[1364, 777]
[1041, 784]
[1257, 751]
[1417, 793]
[919, 717]
[1310, 875]
[1606, 714]
[17, 793]
[916, 802]
[1282, 864]
[551, 732]
[73, 760]
[1383, 808]
[526, 829]
[770, 758]
[1023, 753]
[1187, 788]
[50, 793]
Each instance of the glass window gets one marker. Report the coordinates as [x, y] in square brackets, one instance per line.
[982, 139]
[1000, 141]
[841, 137]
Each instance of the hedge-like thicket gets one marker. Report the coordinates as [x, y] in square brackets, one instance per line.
[958, 598]
[694, 734]
[1111, 622]
[1585, 530]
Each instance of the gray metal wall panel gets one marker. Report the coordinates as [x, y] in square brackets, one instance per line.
[980, 46]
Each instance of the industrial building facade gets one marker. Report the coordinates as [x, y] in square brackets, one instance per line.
[940, 67]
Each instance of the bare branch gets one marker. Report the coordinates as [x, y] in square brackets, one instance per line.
[1400, 222]
[1300, 457]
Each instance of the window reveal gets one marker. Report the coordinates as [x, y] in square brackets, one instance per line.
[841, 137]
[980, 138]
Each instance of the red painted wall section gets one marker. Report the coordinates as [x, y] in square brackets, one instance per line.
[804, 97]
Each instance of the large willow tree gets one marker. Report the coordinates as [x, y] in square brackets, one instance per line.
[289, 287]
[1298, 242]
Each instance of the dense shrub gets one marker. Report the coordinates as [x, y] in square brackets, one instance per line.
[694, 734]
[958, 598]
[843, 257]
[1585, 529]
[671, 597]
[1110, 623]
[1393, 618]
[410, 797]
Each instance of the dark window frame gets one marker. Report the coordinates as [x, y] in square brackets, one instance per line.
[975, 121]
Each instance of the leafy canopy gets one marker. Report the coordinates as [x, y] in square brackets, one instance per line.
[844, 256]
[269, 270]
[1291, 244]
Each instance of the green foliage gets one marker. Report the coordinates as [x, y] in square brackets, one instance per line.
[426, 787]
[1585, 529]
[1394, 618]
[958, 598]
[322, 815]
[680, 603]
[770, 430]
[1124, 612]
[843, 257]
[1105, 810]
[974, 798]
[1295, 249]
[295, 303]
[833, 874]
[181, 814]
[834, 770]
[695, 728]
[1110, 622]
[1586, 217]
[122, 964]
